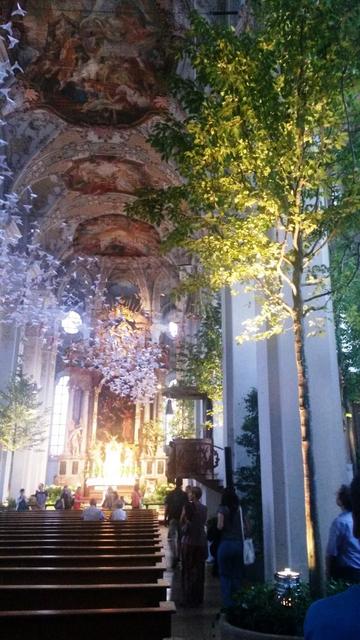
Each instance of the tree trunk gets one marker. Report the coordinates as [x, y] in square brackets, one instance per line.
[314, 553]
[10, 472]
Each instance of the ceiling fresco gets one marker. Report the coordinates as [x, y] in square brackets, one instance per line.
[101, 174]
[97, 62]
[118, 236]
[95, 70]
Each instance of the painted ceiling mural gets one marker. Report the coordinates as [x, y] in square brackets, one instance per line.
[97, 62]
[116, 235]
[101, 174]
[79, 119]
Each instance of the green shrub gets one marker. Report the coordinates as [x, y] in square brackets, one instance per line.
[159, 494]
[259, 609]
[53, 491]
[11, 503]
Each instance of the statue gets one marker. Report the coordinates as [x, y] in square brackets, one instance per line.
[75, 440]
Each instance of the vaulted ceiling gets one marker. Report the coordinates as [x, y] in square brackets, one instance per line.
[93, 85]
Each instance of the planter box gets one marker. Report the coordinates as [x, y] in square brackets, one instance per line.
[229, 632]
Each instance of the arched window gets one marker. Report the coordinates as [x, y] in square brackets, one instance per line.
[59, 417]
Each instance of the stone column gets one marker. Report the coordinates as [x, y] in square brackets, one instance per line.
[269, 366]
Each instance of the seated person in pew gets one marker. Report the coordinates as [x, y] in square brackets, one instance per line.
[92, 512]
[118, 512]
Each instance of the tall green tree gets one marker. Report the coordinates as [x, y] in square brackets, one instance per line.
[266, 120]
[199, 359]
[21, 423]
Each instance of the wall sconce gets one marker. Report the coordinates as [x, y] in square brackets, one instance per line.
[169, 408]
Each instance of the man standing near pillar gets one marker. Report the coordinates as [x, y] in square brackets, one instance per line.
[174, 502]
[337, 617]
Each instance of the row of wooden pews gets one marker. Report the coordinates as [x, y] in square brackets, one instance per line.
[65, 579]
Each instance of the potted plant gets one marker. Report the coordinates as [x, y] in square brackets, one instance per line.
[260, 615]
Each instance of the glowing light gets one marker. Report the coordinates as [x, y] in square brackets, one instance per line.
[111, 468]
[58, 429]
[119, 465]
[72, 322]
[173, 329]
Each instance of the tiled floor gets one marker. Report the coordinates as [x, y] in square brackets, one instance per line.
[196, 623]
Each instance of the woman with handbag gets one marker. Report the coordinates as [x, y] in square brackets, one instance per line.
[230, 553]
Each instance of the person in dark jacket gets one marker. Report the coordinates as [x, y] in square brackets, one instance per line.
[174, 503]
[66, 497]
[194, 550]
[21, 501]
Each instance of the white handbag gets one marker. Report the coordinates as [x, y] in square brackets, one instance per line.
[248, 545]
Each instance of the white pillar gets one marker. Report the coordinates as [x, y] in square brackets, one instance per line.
[269, 366]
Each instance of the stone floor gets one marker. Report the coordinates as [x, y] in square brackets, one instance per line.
[198, 623]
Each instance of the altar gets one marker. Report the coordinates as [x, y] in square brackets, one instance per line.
[115, 466]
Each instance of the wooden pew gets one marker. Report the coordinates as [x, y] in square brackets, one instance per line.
[147, 623]
[81, 575]
[75, 591]
[70, 516]
[103, 596]
[78, 550]
[109, 527]
[66, 541]
[58, 560]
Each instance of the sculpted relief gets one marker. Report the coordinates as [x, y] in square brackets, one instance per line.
[98, 62]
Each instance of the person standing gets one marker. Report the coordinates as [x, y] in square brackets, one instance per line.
[174, 503]
[109, 499]
[193, 550]
[92, 512]
[136, 497]
[66, 497]
[230, 549]
[21, 501]
[343, 549]
[77, 499]
[337, 617]
[41, 497]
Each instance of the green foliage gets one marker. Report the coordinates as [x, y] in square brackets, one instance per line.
[259, 609]
[151, 436]
[265, 144]
[21, 424]
[268, 170]
[248, 478]
[159, 494]
[54, 492]
[346, 285]
[199, 361]
[182, 424]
